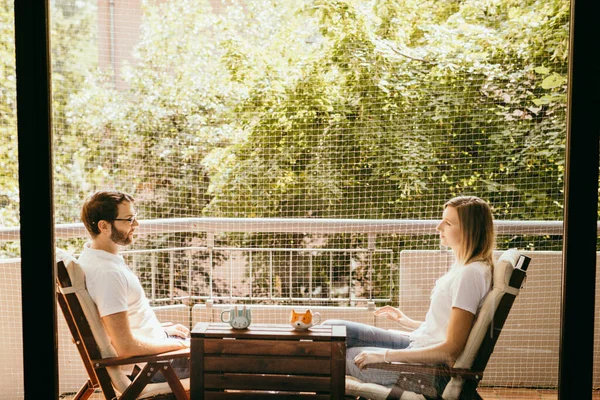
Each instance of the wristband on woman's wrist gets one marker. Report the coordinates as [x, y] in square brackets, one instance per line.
[385, 357]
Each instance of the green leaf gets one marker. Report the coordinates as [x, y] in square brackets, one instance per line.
[553, 81]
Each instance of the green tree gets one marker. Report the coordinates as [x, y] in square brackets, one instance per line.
[9, 185]
[72, 57]
[318, 108]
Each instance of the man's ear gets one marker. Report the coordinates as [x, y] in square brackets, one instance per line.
[104, 226]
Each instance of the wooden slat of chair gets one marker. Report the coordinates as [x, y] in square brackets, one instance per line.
[91, 384]
[115, 361]
[82, 334]
[425, 369]
[85, 392]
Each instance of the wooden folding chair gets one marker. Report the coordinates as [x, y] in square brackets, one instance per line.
[100, 359]
[425, 382]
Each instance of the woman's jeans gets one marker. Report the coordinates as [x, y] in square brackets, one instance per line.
[361, 337]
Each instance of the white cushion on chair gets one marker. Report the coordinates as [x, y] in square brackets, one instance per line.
[503, 270]
[118, 377]
[373, 391]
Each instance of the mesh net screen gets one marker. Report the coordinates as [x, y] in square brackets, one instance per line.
[299, 153]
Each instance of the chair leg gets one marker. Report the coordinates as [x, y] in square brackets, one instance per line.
[105, 383]
[395, 393]
[140, 382]
[174, 382]
[85, 392]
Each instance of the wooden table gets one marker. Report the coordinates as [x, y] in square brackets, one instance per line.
[267, 361]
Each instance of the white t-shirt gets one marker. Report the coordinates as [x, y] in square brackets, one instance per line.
[464, 287]
[114, 288]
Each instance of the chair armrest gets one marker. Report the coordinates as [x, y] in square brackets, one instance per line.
[409, 367]
[426, 379]
[431, 369]
[115, 361]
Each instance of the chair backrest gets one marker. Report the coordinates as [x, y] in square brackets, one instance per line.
[509, 275]
[85, 324]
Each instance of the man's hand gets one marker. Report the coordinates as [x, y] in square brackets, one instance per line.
[365, 358]
[177, 330]
[127, 345]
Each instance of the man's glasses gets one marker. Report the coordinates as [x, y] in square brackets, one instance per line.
[131, 219]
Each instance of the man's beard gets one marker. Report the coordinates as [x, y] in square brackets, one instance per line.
[118, 237]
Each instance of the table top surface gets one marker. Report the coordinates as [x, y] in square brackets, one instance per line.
[268, 331]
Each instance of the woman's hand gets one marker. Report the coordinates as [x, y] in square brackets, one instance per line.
[394, 314]
[365, 358]
[177, 330]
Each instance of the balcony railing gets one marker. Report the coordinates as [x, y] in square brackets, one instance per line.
[298, 225]
[343, 294]
[236, 265]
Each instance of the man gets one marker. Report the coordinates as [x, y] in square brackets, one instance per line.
[110, 218]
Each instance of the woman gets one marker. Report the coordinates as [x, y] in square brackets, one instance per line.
[467, 228]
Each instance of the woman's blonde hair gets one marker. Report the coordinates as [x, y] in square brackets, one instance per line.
[477, 226]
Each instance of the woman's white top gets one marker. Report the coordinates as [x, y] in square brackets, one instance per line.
[464, 287]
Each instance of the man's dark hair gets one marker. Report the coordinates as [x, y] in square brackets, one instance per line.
[102, 205]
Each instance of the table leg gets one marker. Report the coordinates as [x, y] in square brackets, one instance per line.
[338, 369]
[197, 369]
